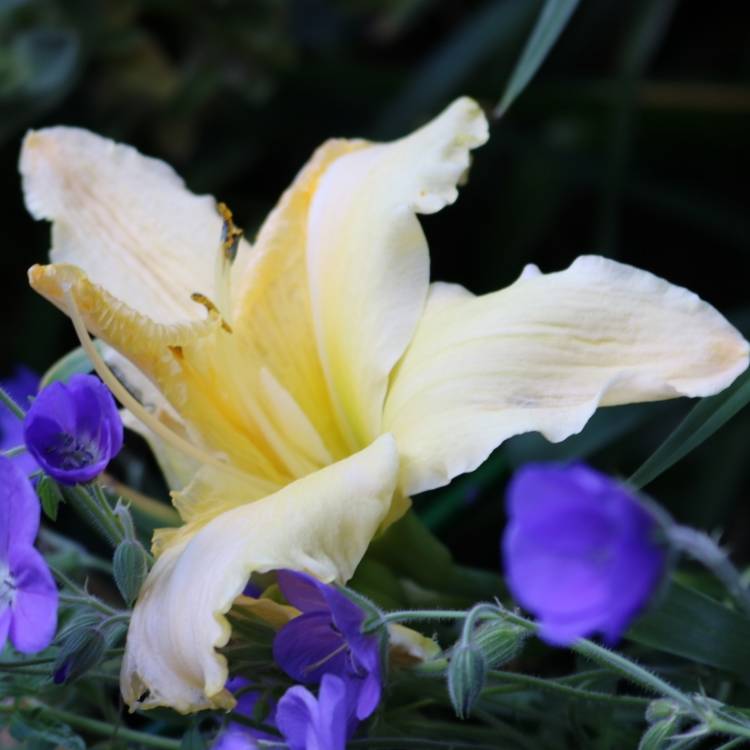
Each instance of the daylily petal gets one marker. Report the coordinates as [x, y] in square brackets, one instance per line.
[272, 317]
[541, 355]
[125, 219]
[367, 256]
[321, 524]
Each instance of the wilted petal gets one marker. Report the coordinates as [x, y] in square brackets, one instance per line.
[367, 255]
[322, 524]
[541, 355]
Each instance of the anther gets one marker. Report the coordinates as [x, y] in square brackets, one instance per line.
[231, 234]
[201, 299]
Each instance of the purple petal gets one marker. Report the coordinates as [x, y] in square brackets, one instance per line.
[579, 552]
[368, 696]
[296, 712]
[19, 509]
[35, 606]
[302, 591]
[235, 737]
[96, 412]
[333, 713]
[307, 647]
[310, 724]
[56, 404]
[23, 383]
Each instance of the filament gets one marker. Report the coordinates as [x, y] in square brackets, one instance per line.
[132, 404]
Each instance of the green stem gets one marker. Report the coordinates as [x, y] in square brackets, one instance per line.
[701, 547]
[555, 687]
[113, 519]
[475, 613]
[101, 728]
[91, 601]
[92, 509]
[632, 671]
[13, 452]
[737, 742]
[414, 614]
[7, 399]
[614, 662]
[722, 726]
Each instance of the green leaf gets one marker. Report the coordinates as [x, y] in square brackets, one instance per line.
[491, 29]
[688, 624]
[705, 418]
[72, 363]
[32, 730]
[552, 20]
[50, 496]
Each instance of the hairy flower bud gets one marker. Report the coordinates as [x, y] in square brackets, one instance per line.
[80, 652]
[130, 567]
[467, 671]
[499, 641]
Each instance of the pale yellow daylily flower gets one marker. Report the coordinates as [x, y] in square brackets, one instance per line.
[319, 380]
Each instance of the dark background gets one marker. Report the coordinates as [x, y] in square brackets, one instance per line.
[632, 142]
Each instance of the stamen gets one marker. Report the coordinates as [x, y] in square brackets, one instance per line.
[133, 405]
[231, 234]
[336, 652]
[201, 299]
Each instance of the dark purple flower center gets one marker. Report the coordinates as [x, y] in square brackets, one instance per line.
[71, 452]
[7, 587]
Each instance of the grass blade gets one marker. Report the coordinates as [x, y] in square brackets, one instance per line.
[704, 419]
[552, 20]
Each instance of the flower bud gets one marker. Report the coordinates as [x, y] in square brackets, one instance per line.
[79, 653]
[661, 708]
[499, 641]
[130, 567]
[659, 735]
[466, 675]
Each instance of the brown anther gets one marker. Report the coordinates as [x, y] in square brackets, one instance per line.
[177, 352]
[201, 299]
[231, 234]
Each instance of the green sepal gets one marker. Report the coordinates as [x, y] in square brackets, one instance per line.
[50, 496]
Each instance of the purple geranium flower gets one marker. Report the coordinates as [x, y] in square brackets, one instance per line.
[310, 723]
[73, 430]
[580, 552]
[239, 736]
[19, 386]
[28, 595]
[326, 638]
